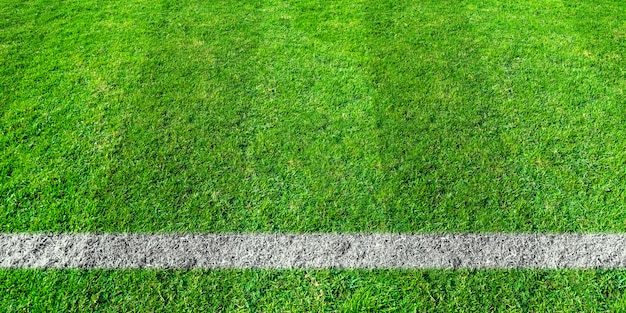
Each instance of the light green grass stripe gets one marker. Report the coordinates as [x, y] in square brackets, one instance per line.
[435, 251]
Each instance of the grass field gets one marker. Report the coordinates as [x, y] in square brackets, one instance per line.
[313, 291]
[300, 116]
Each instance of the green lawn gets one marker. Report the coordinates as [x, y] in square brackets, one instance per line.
[297, 116]
[300, 116]
[313, 291]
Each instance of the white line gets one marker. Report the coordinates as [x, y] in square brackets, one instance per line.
[495, 250]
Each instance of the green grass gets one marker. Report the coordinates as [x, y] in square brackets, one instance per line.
[298, 116]
[313, 291]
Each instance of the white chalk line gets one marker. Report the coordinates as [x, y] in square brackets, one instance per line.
[288, 251]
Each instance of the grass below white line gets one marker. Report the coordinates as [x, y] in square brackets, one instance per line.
[420, 251]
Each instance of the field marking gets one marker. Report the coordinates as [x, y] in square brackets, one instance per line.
[416, 251]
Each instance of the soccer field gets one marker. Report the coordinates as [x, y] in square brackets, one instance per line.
[224, 116]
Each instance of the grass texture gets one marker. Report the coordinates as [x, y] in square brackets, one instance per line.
[312, 291]
[299, 116]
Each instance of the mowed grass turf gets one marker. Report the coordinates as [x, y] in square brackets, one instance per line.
[312, 291]
[299, 116]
